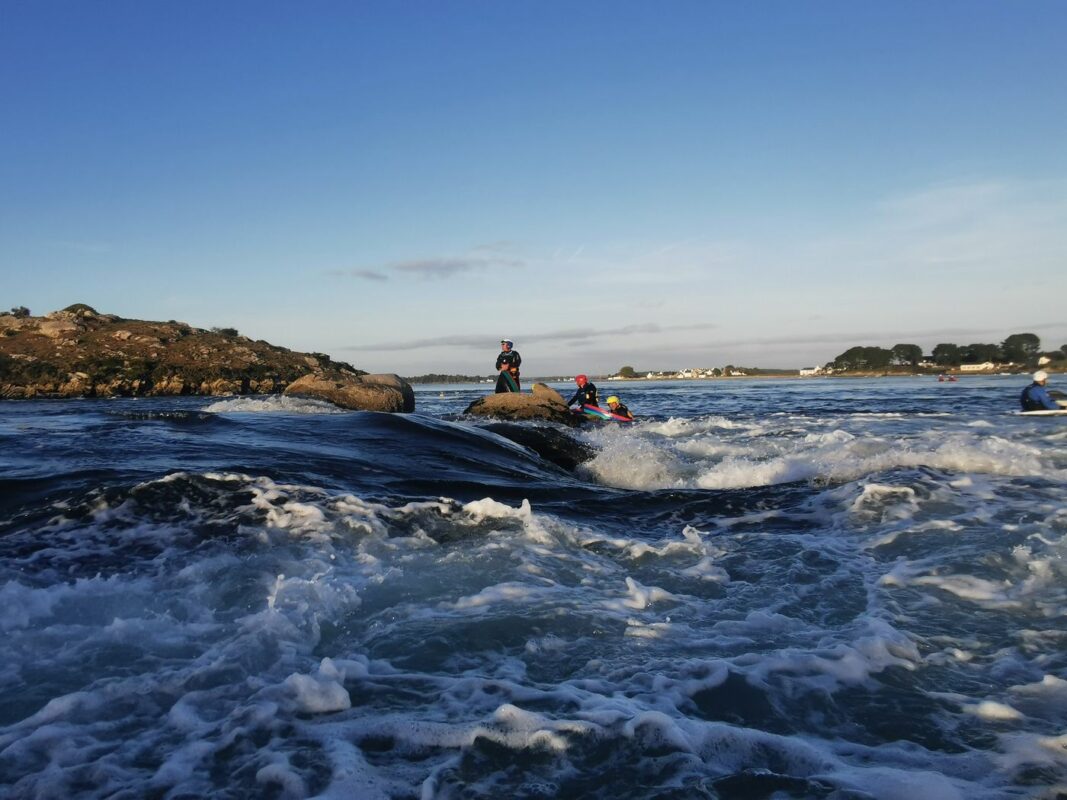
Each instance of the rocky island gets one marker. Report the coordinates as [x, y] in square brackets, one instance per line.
[79, 352]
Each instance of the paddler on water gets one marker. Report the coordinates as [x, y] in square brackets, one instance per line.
[586, 393]
[618, 408]
[507, 365]
[1035, 397]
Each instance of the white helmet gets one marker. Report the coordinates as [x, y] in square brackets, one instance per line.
[1040, 376]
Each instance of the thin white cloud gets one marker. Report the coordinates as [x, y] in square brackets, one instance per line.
[362, 274]
[449, 267]
[578, 335]
[482, 257]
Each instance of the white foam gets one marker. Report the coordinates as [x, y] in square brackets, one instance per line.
[720, 453]
[272, 404]
[864, 457]
[1032, 750]
[488, 508]
[23, 605]
[494, 595]
[629, 462]
[993, 711]
[1048, 696]
[280, 773]
[321, 693]
[677, 427]
[899, 784]
[511, 626]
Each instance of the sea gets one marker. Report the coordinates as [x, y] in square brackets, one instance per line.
[822, 588]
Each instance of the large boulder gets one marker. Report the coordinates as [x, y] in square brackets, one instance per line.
[57, 328]
[543, 403]
[360, 393]
[393, 381]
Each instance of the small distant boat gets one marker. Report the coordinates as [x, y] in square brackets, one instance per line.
[947, 379]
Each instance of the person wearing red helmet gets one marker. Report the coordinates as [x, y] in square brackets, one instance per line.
[586, 394]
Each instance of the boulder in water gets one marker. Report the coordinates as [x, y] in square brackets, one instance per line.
[544, 403]
[360, 393]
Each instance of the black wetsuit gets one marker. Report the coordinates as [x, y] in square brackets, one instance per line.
[510, 359]
[621, 410]
[586, 395]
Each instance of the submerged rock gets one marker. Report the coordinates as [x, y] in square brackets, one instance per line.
[543, 403]
[359, 393]
[552, 444]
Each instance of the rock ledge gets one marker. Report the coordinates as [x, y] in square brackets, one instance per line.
[544, 403]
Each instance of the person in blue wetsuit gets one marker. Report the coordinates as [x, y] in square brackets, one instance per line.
[586, 394]
[1035, 397]
[507, 367]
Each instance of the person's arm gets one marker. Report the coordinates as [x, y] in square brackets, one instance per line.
[1041, 395]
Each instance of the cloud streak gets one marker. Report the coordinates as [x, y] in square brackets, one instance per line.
[362, 274]
[449, 267]
[564, 335]
[482, 258]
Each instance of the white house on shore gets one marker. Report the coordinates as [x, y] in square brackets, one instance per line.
[983, 367]
[807, 372]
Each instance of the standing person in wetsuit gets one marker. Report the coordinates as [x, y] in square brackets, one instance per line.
[1035, 397]
[586, 394]
[507, 365]
[618, 408]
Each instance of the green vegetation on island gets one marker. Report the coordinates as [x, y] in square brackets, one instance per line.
[1020, 351]
[435, 377]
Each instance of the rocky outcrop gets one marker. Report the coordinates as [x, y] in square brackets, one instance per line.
[78, 352]
[543, 403]
[361, 393]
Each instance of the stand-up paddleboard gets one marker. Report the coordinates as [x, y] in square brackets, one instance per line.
[599, 413]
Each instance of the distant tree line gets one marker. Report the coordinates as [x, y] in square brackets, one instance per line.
[1023, 349]
[435, 377]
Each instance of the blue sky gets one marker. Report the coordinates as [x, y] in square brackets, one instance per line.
[401, 184]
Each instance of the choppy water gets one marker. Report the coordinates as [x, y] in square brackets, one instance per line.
[827, 589]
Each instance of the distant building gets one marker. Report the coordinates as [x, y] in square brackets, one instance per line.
[1043, 361]
[807, 372]
[984, 366]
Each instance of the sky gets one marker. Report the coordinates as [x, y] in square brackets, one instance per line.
[657, 185]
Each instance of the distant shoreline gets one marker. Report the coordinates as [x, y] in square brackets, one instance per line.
[605, 385]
